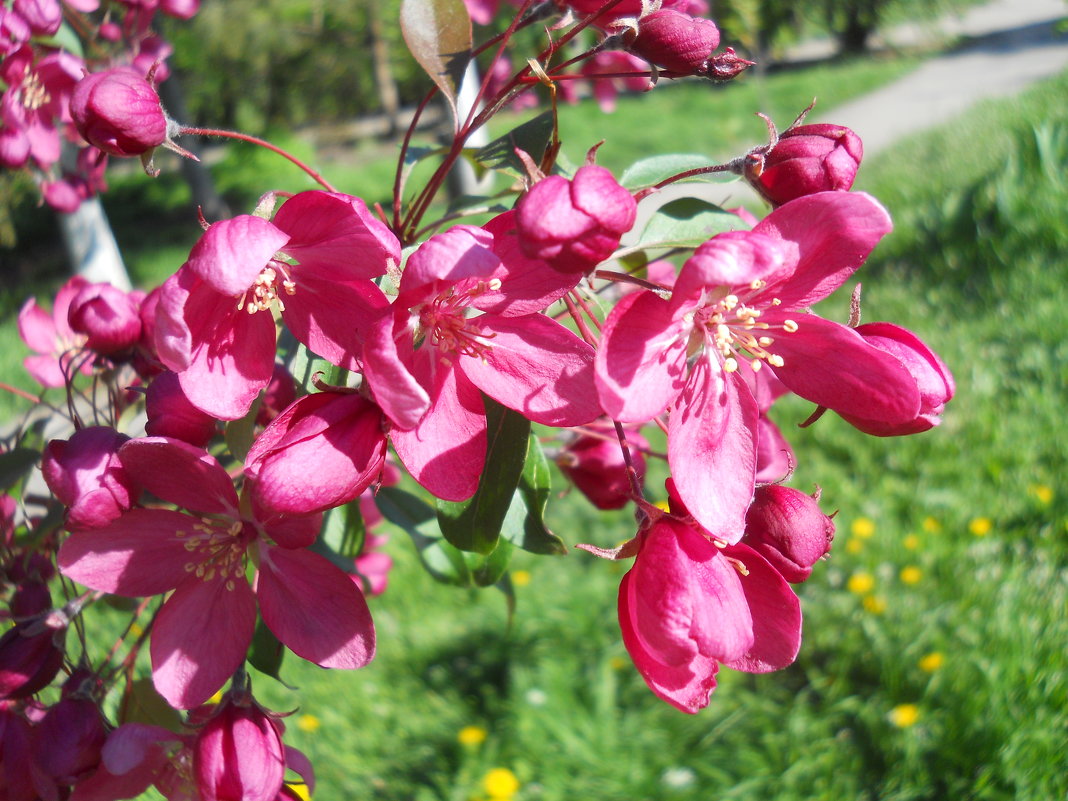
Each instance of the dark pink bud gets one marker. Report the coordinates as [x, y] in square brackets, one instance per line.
[787, 528]
[30, 598]
[170, 414]
[15, 735]
[574, 225]
[119, 112]
[31, 654]
[43, 16]
[675, 41]
[933, 379]
[239, 754]
[809, 159]
[108, 316]
[595, 465]
[66, 744]
[85, 474]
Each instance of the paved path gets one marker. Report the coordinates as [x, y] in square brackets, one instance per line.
[1014, 43]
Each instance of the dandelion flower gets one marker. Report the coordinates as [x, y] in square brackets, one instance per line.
[862, 527]
[521, 578]
[911, 575]
[911, 542]
[874, 604]
[500, 784]
[308, 723]
[904, 715]
[981, 526]
[472, 735]
[931, 526]
[932, 662]
[860, 583]
[1042, 493]
[854, 546]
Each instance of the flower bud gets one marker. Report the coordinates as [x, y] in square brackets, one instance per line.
[595, 465]
[108, 316]
[574, 225]
[85, 474]
[809, 159]
[933, 379]
[675, 41]
[170, 414]
[66, 745]
[31, 654]
[16, 784]
[239, 754]
[787, 528]
[43, 16]
[119, 112]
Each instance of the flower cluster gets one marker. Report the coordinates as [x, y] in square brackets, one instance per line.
[307, 351]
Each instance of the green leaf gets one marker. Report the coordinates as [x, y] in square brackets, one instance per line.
[686, 223]
[266, 653]
[240, 433]
[525, 523]
[143, 704]
[419, 521]
[438, 32]
[344, 531]
[488, 570]
[15, 465]
[305, 364]
[653, 170]
[532, 136]
[475, 524]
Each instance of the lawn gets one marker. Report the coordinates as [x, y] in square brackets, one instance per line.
[933, 665]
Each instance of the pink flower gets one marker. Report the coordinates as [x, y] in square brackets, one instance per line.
[51, 337]
[688, 605]
[67, 742]
[86, 476]
[522, 359]
[205, 626]
[119, 112]
[809, 159]
[741, 303]
[314, 262]
[31, 655]
[574, 225]
[107, 316]
[134, 757]
[34, 104]
[594, 463]
[170, 414]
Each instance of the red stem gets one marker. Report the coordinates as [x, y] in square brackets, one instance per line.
[315, 176]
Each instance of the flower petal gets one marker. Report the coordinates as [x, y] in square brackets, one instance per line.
[712, 430]
[314, 608]
[332, 317]
[200, 638]
[231, 253]
[180, 473]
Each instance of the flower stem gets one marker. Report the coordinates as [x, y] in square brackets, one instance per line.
[315, 176]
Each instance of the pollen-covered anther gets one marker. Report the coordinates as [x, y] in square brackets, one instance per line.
[765, 341]
[758, 283]
[265, 289]
[730, 364]
[789, 326]
[34, 94]
[738, 565]
[775, 360]
[756, 364]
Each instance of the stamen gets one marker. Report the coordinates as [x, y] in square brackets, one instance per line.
[789, 326]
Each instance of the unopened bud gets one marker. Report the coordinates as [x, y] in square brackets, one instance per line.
[809, 159]
[108, 316]
[119, 112]
[675, 41]
[787, 528]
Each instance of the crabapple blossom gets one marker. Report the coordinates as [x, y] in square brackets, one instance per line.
[50, 337]
[786, 527]
[239, 753]
[808, 159]
[85, 474]
[119, 112]
[108, 316]
[675, 41]
[594, 463]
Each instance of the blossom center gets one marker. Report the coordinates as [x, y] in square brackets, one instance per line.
[444, 321]
[217, 551]
[34, 94]
[273, 281]
[727, 325]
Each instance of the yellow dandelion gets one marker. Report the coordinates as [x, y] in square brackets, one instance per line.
[931, 526]
[860, 583]
[981, 526]
[472, 735]
[874, 604]
[904, 715]
[308, 723]
[617, 663]
[911, 542]
[911, 575]
[862, 527]
[500, 784]
[1042, 493]
[931, 662]
[300, 791]
[854, 546]
[521, 578]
